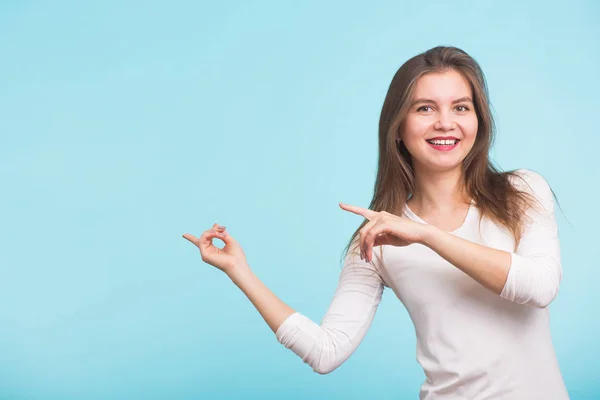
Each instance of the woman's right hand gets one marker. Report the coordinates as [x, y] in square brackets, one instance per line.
[227, 259]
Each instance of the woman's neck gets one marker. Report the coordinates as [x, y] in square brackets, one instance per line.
[438, 191]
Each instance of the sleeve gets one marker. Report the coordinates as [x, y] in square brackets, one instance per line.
[345, 323]
[535, 271]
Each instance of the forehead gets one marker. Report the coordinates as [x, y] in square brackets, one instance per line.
[442, 85]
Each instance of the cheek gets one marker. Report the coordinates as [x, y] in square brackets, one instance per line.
[415, 129]
[469, 128]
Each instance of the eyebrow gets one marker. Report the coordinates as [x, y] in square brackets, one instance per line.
[462, 99]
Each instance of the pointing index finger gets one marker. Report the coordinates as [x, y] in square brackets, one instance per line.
[365, 212]
[190, 238]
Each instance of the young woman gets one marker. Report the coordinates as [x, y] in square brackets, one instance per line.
[472, 252]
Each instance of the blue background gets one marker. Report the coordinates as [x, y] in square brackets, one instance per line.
[124, 125]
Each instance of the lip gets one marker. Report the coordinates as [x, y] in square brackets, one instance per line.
[443, 138]
[443, 147]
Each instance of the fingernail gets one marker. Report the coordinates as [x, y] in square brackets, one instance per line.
[221, 227]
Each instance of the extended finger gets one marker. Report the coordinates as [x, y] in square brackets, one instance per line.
[193, 239]
[205, 240]
[365, 212]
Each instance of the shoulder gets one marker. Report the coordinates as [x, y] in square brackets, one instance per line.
[529, 181]
[534, 184]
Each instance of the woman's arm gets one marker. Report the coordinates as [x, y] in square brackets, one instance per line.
[326, 346]
[486, 265]
[273, 310]
[345, 324]
[530, 275]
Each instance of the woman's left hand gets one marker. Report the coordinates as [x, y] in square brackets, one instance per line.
[385, 228]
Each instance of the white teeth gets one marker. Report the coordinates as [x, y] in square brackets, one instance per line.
[443, 142]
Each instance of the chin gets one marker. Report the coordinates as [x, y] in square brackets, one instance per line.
[441, 165]
[444, 168]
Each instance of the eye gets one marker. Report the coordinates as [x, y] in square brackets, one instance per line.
[464, 108]
[422, 108]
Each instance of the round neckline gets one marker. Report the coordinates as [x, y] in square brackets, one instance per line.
[411, 213]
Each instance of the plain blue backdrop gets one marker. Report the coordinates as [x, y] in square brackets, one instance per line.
[125, 124]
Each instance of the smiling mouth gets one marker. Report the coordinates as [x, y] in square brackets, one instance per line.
[445, 142]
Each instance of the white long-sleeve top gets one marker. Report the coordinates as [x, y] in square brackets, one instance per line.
[472, 343]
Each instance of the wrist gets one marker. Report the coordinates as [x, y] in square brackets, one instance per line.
[428, 235]
[240, 274]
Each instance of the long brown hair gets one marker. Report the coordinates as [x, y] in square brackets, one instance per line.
[489, 188]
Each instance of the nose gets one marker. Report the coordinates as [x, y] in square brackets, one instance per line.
[445, 123]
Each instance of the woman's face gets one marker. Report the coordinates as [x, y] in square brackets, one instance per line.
[441, 124]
